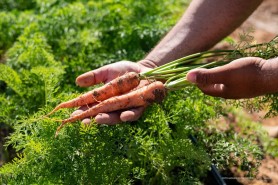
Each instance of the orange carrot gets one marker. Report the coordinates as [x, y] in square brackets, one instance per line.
[151, 93]
[116, 87]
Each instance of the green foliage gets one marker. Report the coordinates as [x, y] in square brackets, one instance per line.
[147, 152]
[16, 4]
[30, 51]
[242, 132]
[11, 26]
[6, 27]
[32, 67]
[46, 44]
[10, 77]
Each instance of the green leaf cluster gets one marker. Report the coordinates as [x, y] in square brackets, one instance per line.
[147, 151]
[46, 44]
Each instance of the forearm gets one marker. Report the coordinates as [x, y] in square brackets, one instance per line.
[203, 25]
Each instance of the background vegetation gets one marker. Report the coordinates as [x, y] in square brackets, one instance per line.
[45, 44]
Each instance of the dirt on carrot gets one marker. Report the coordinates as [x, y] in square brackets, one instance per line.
[116, 87]
[152, 93]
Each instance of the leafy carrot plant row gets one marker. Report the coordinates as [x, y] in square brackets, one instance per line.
[46, 44]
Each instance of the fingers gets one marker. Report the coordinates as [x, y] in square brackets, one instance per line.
[209, 81]
[85, 121]
[102, 118]
[92, 77]
[228, 73]
[113, 118]
[218, 90]
[239, 79]
[132, 114]
[107, 73]
[108, 118]
[118, 117]
[208, 76]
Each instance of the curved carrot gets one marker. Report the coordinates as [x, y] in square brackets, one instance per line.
[116, 87]
[151, 93]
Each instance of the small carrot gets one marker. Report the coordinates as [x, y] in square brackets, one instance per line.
[151, 93]
[116, 87]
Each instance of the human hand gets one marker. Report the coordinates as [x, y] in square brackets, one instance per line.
[104, 75]
[243, 78]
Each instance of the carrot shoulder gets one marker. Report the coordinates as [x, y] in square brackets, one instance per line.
[116, 87]
[151, 93]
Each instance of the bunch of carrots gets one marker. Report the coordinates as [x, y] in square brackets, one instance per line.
[124, 93]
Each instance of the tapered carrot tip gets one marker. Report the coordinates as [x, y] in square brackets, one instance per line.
[58, 129]
[54, 110]
[56, 133]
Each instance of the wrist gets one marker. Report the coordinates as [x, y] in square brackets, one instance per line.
[148, 63]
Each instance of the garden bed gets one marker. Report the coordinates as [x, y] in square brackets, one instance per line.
[49, 44]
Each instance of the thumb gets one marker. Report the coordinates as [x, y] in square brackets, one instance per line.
[209, 81]
[93, 77]
[206, 76]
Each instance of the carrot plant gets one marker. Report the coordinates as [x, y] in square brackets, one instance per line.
[48, 43]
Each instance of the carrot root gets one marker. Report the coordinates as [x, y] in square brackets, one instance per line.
[116, 87]
[152, 93]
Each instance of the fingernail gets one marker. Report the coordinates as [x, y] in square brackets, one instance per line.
[86, 121]
[191, 77]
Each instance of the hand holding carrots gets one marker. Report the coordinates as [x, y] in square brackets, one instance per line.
[123, 97]
[106, 74]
